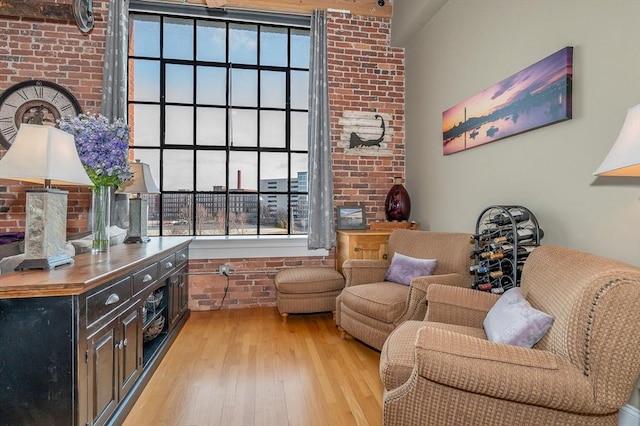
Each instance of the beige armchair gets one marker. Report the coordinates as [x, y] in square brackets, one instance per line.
[369, 307]
[445, 371]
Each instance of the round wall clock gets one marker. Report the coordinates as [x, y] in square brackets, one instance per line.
[34, 102]
[83, 13]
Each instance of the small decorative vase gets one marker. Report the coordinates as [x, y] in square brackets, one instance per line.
[100, 218]
[397, 206]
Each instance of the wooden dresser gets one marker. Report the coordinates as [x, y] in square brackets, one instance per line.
[74, 341]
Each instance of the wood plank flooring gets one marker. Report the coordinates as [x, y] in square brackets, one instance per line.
[244, 367]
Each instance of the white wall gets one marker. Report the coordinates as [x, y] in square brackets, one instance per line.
[471, 45]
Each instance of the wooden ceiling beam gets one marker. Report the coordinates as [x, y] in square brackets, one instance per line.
[37, 10]
[356, 7]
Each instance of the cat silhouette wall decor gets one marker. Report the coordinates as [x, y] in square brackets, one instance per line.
[356, 141]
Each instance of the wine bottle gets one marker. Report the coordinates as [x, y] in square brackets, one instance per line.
[504, 219]
[524, 234]
[486, 235]
[522, 253]
[484, 267]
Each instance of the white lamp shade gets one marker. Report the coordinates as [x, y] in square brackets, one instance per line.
[142, 181]
[624, 157]
[44, 153]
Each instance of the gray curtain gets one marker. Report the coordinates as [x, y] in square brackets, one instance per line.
[114, 80]
[321, 223]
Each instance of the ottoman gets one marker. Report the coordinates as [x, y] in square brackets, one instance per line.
[307, 290]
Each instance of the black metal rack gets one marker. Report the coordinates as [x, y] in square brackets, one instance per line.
[505, 235]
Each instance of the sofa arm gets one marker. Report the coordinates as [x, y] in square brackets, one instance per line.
[417, 297]
[363, 271]
[459, 306]
[501, 371]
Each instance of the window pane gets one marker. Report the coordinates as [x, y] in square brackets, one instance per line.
[177, 170]
[178, 38]
[179, 84]
[299, 131]
[210, 41]
[299, 48]
[243, 44]
[274, 171]
[211, 85]
[273, 89]
[210, 214]
[243, 171]
[243, 214]
[153, 220]
[244, 88]
[145, 36]
[274, 216]
[211, 129]
[272, 129]
[176, 214]
[273, 46]
[244, 128]
[211, 169]
[145, 84]
[299, 89]
[145, 125]
[299, 166]
[300, 214]
[178, 125]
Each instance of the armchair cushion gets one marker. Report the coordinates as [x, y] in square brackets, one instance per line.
[382, 301]
[404, 268]
[512, 320]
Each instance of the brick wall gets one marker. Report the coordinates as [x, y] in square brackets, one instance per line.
[365, 75]
[56, 51]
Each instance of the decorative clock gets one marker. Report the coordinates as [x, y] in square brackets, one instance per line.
[34, 102]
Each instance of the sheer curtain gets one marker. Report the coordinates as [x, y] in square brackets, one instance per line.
[321, 223]
[114, 79]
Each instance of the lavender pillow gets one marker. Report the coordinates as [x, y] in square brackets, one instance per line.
[404, 268]
[512, 320]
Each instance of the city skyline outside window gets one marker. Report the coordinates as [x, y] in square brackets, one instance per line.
[218, 109]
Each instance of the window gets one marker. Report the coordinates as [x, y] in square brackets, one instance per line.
[218, 109]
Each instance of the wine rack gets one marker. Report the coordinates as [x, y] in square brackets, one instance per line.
[504, 237]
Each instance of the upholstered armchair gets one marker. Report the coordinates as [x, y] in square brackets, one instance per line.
[370, 307]
[581, 372]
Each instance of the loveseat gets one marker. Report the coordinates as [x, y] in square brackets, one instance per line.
[444, 370]
[372, 304]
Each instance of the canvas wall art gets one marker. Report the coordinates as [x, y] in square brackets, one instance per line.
[537, 96]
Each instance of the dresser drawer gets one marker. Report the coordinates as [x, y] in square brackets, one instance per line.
[167, 264]
[107, 299]
[182, 256]
[145, 277]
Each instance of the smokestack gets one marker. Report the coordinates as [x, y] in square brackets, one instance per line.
[239, 179]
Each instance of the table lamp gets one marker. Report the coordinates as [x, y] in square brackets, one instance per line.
[47, 155]
[624, 157]
[141, 183]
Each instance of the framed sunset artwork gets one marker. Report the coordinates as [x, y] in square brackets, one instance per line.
[537, 96]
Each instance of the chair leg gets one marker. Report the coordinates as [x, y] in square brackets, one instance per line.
[284, 316]
[343, 334]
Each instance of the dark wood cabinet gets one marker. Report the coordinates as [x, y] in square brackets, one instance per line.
[71, 339]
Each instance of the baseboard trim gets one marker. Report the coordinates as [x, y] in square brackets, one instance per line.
[629, 416]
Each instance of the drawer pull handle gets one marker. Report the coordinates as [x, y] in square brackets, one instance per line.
[146, 278]
[124, 342]
[168, 265]
[357, 249]
[183, 256]
[113, 298]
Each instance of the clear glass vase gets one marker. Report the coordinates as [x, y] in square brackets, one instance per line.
[100, 218]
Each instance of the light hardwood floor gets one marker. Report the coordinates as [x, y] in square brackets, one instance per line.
[244, 367]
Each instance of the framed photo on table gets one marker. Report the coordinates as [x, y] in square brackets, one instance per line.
[351, 217]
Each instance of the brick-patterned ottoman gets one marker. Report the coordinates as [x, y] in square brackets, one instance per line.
[307, 290]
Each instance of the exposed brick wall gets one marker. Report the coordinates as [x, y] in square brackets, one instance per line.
[365, 74]
[58, 52]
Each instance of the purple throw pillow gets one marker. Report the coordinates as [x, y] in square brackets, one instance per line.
[512, 320]
[404, 268]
